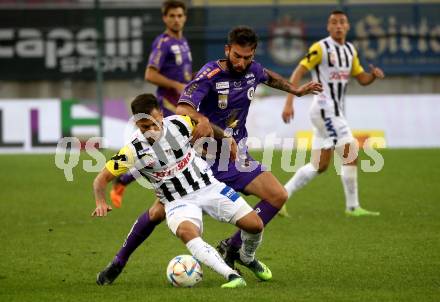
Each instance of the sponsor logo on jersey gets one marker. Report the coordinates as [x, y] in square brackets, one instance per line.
[221, 85]
[213, 73]
[179, 166]
[340, 75]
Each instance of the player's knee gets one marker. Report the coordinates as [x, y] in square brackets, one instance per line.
[186, 231]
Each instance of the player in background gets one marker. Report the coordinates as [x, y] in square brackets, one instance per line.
[169, 67]
[223, 91]
[163, 154]
[332, 61]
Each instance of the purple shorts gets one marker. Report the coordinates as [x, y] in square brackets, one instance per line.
[238, 178]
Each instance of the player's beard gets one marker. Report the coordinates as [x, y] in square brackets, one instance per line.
[232, 70]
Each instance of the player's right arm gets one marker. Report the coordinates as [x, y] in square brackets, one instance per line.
[117, 165]
[156, 60]
[309, 62]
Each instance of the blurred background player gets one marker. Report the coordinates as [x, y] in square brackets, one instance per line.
[186, 188]
[169, 67]
[332, 61]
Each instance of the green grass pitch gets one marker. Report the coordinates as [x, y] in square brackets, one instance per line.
[51, 249]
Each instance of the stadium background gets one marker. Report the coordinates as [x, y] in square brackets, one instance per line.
[51, 87]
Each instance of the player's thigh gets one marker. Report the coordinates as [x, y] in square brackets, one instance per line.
[223, 203]
[181, 210]
[266, 186]
[187, 231]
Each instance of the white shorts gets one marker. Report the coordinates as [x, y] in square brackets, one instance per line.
[217, 200]
[330, 131]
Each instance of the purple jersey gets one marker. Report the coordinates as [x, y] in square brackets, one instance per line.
[223, 97]
[172, 58]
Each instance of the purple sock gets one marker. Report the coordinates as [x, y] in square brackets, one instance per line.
[265, 210]
[126, 178]
[142, 228]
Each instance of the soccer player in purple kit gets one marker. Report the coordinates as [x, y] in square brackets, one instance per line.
[170, 68]
[222, 93]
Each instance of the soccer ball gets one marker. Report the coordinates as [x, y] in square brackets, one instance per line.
[184, 271]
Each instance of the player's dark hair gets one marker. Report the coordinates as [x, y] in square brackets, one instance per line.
[338, 12]
[144, 103]
[243, 36]
[171, 4]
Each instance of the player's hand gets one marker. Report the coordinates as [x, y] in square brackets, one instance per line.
[376, 72]
[102, 208]
[288, 114]
[309, 88]
[202, 129]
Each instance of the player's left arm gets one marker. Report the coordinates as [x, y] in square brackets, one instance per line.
[365, 78]
[276, 81]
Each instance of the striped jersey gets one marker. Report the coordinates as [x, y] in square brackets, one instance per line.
[332, 64]
[171, 164]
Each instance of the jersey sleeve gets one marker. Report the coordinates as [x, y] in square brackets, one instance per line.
[313, 57]
[158, 53]
[189, 123]
[121, 162]
[356, 67]
[196, 90]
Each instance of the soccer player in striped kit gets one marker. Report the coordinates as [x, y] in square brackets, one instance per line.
[169, 67]
[332, 61]
[162, 152]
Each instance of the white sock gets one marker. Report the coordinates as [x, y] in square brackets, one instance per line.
[302, 177]
[349, 182]
[250, 244]
[206, 254]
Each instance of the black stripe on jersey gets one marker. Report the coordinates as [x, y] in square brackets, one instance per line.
[138, 146]
[175, 146]
[194, 184]
[204, 176]
[163, 160]
[330, 64]
[346, 58]
[349, 48]
[182, 128]
[317, 74]
[339, 91]
[332, 92]
[166, 192]
[339, 56]
[178, 186]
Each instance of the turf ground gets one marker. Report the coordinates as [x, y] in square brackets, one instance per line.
[51, 249]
